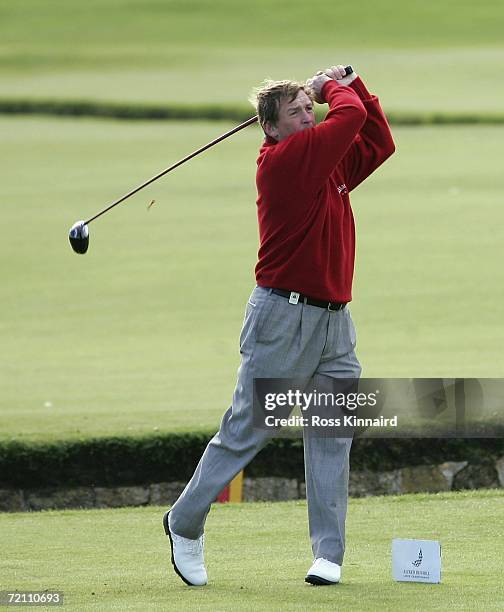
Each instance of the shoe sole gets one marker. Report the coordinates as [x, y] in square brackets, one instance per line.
[318, 581]
[167, 531]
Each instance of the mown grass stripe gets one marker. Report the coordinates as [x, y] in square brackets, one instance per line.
[205, 112]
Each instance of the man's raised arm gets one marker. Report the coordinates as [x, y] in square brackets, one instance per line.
[374, 143]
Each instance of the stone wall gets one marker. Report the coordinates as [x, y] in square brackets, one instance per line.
[448, 476]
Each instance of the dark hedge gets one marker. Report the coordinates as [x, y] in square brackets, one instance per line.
[206, 112]
[173, 457]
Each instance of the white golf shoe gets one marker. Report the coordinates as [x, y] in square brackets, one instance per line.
[323, 572]
[187, 556]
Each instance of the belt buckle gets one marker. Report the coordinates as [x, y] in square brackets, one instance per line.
[294, 297]
[338, 307]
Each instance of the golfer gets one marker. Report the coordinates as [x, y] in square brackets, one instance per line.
[297, 322]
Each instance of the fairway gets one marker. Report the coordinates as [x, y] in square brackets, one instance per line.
[257, 556]
[420, 56]
[141, 333]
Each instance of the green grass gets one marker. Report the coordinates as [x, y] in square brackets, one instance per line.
[141, 333]
[152, 25]
[257, 556]
[419, 55]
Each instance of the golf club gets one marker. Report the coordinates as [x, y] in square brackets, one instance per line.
[79, 232]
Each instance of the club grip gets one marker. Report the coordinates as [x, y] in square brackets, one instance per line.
[348, 70]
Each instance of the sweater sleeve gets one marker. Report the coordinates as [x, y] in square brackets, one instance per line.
[310, 156]
[374, 143]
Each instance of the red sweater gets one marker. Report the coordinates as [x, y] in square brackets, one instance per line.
[306, 225]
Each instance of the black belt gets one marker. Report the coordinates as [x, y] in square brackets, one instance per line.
[295, 297]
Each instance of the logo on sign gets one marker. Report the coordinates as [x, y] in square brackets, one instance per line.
[418, 561]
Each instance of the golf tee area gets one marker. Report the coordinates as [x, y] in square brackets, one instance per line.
[256, 556]
[116, 366]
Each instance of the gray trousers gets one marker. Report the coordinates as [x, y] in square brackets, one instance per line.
[280, 340]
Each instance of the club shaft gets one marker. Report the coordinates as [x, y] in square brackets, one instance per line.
[176, 165]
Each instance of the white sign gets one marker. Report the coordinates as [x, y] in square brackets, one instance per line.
[416, 560]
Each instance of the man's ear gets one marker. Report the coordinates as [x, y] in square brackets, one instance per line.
[271, 130]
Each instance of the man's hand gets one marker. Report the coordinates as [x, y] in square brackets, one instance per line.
[316, 83]
[335, 73]
[338, 74]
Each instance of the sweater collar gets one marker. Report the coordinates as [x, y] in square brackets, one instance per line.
[269, 141]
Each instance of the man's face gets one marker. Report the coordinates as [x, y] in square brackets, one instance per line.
[293, 117]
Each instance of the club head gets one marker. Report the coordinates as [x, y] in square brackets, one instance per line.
[79, 237]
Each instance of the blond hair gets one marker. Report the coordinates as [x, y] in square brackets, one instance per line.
[267, 98]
